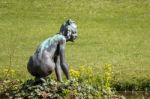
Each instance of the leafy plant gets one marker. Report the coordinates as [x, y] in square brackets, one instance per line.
[53, 89]
[107, 77]
[7, 87]
[9, 73]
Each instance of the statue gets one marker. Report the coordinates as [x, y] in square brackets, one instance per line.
[50, 54]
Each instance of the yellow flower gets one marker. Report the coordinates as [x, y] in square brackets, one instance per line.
[12, 71]
[5, 70]
[9, 72]
[74, 73]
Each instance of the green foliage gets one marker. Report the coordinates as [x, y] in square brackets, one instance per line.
[135, 85]
[107, 77]
[84, 85]
[9, 73]
[7, 87]
[52, 89]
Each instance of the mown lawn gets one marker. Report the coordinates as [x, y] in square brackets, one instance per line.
[110, 31]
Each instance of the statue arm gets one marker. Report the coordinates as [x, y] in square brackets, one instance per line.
[63, 62]
[58, 68]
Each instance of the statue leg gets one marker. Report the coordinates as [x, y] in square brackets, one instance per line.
[31, 66]
[45, 69]
[47, 64]
[58, 68]
[34, 70]
[39, 80]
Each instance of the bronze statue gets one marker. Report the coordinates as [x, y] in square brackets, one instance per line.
[50, 54]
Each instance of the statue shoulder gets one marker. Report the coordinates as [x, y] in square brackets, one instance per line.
[60, 37]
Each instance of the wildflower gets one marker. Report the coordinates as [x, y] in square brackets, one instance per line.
[6, 70]
[74, 73]
[9, 72]
[107, 77]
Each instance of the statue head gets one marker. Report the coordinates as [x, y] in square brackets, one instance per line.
[69, 30]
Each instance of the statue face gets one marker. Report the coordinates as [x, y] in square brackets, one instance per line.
[69, 30]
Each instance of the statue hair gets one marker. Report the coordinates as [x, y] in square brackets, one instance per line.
[65, 24]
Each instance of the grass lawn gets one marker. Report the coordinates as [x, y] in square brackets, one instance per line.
[110, 31]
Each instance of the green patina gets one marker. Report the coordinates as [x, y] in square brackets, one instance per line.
[49, 41]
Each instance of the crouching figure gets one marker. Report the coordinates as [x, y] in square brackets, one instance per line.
[50, 54]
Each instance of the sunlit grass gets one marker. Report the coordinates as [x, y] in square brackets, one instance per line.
[115, 32]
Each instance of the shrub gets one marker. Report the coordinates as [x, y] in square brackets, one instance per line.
[53, 89]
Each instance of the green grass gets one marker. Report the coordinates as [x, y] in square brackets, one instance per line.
[110, 31]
